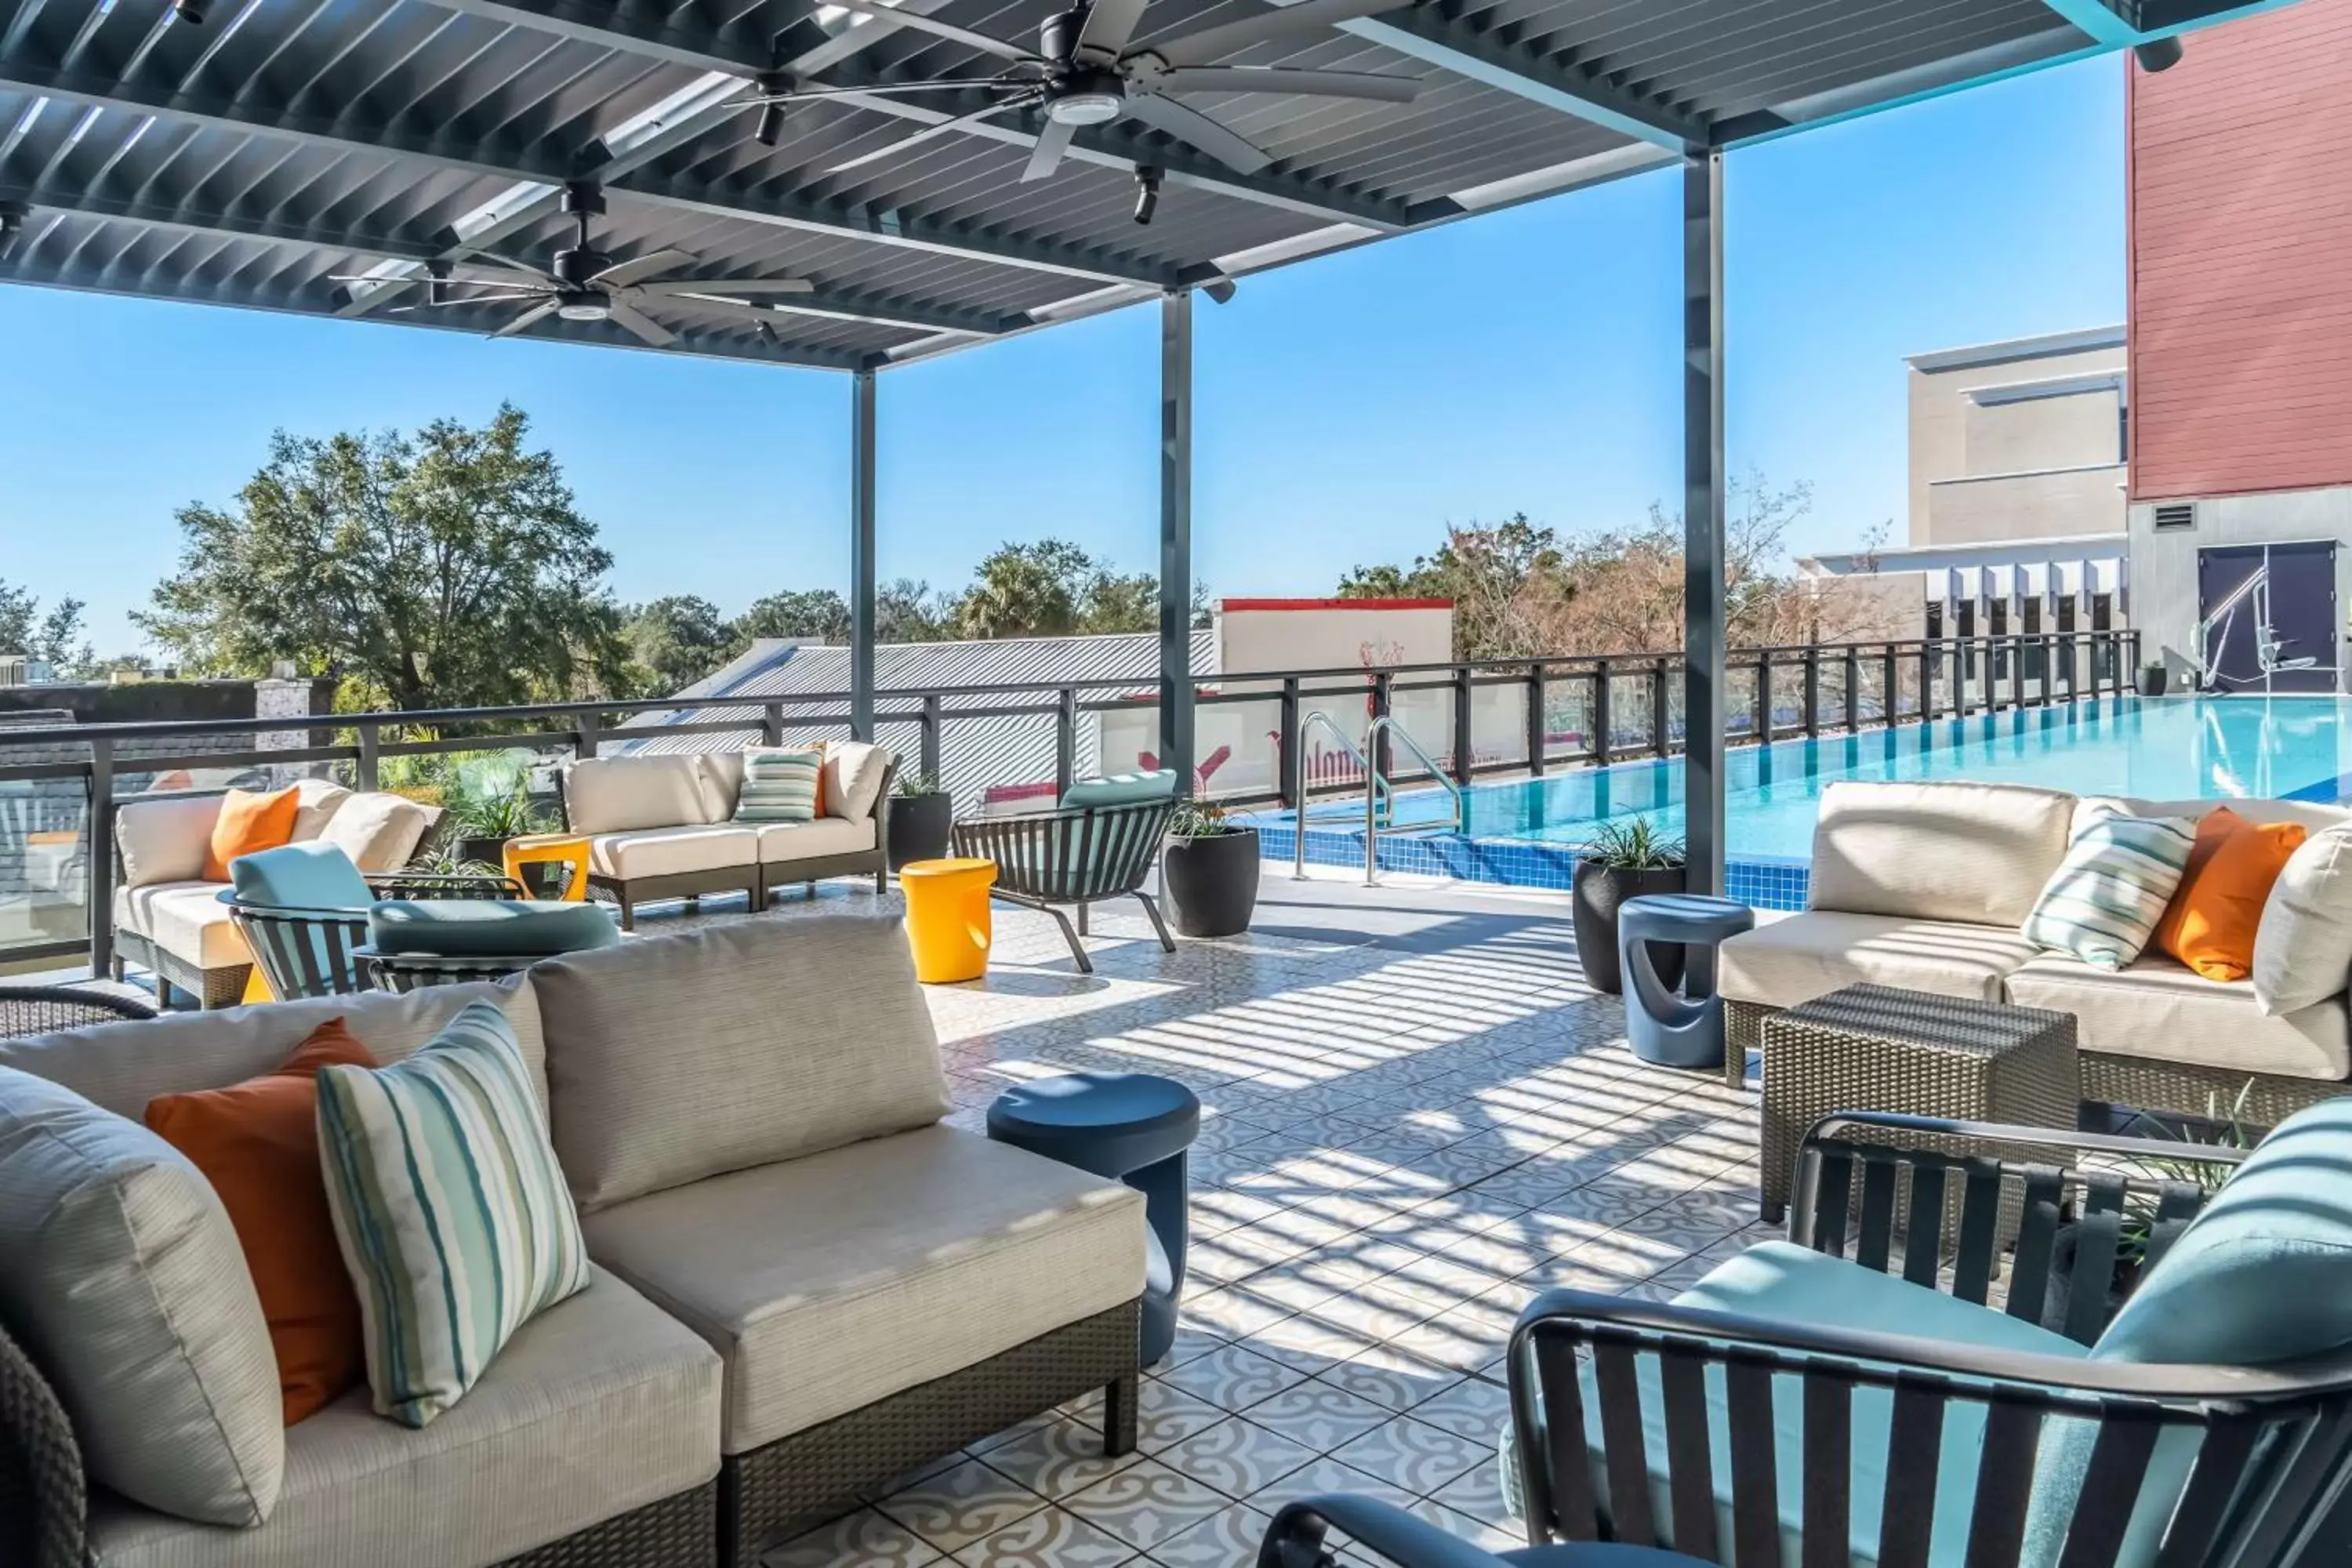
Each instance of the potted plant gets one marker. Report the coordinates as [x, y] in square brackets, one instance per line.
[922, 819]
[488, 804]
[1627, 857]
[2152, 679]
[1208, 871]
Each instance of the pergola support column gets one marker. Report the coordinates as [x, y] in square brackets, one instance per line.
[1176, 535]
[1703, 516]
[861, 556]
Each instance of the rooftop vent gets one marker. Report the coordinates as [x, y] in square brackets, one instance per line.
[2176, 517]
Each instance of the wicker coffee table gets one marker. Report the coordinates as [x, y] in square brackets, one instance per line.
[1874, 1048]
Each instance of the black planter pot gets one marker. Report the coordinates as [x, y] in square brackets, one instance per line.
[2153, 680]
[1210, 883]
[482, 848]
[1594, 894]
[920, 828]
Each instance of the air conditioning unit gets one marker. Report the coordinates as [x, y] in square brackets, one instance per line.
[2176, 517]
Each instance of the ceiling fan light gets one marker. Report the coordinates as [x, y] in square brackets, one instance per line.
[589, 307]
[1084, 107]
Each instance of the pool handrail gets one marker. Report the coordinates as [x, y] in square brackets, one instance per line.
[1389, 723]
[1306, 726]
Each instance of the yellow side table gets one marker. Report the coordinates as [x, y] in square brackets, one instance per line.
[948, 924]
[550, 848]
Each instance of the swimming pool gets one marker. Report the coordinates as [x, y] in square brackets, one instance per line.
[1525, 831]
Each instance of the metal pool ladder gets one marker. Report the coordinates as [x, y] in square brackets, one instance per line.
[1375, 785]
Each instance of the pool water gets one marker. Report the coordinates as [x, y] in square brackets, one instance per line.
[1523, 831]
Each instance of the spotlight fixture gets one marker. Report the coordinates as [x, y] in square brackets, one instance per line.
[1222, 290]
[1146, 192]
[2160, 56]
[12, 224]
[771, 127]
[191, 12]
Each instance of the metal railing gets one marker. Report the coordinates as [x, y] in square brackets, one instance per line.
[1571, 715]
[1382, 727]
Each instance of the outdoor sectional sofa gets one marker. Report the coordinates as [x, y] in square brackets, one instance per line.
[662, 826]
[804, 1285]
[1925, 886]
[170, 918]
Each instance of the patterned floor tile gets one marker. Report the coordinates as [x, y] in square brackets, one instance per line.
[1053, 1538]
[1329, 1474]
[1474, 1408]
[864, 1537]
[1391, 1377]
[1226, 1538]
[1234, 1378]
[1147, 1503]
[1319, 1414]
[1057, 1460]
[960, 1504]
[1166, 1415]
[1413, 1456]
[1237, 1456]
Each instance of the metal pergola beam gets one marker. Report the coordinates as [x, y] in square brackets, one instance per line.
[2102, 22]
[1176, 536]
[1510, 67]
[1703, 519]
[862, 585]
[540, 164]
[742, 53]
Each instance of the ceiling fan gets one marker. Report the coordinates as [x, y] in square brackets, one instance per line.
[1084, 71]
[584, 285]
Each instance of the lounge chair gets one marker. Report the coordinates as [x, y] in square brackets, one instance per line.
[1100, 843]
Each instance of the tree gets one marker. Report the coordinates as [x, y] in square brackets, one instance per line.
[446, 568]
[908, 611]
[54, 638]
[818, 613]
[678, 639]
[1024, 591]
[1504, 582]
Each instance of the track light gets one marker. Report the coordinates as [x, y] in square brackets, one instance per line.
[1146, 192]
[2160, 56]
[191, 12]
[12, 224]
[771, 128]
[1222, 290]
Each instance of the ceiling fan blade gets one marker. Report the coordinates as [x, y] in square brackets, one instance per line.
[464, 300]
[948, 30]
[741, 308]
[1109, 25]
[1192, 126]
[621, 274]
[879, 89]
[379, 279]
[629, 319]
[1289, 21]
[706, 288]
[528, 318]
[1047, 156]
[1280, 78]
[500, 264]
[925, 133]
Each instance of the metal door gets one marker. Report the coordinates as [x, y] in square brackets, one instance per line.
[2266, 617]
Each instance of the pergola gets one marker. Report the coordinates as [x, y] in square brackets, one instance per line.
[252, 152]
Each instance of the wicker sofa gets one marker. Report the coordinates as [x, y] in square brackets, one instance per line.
[661, 825]
[804, 1285]
[1923, 886]
[170, 918]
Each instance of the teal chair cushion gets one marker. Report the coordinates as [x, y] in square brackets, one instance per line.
[2264, 1274]
[1120, 789]
[1782, 1282]
[300, 877]
[489, 928]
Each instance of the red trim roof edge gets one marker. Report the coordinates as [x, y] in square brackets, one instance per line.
[1335, 604]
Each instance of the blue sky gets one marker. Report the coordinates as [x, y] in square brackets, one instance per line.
[1347, 409]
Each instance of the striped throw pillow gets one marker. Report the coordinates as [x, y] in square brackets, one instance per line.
[2105, 900]
[779, 786]
[452, 1218]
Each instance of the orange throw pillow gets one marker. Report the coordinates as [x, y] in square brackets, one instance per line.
[249, 822]
[257, 1143]
[2209, 924]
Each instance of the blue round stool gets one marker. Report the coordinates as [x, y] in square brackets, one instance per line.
[1132, 1127]
[1676, 1031]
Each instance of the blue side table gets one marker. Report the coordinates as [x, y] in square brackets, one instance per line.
[1132, 1127]
[1676, 1031]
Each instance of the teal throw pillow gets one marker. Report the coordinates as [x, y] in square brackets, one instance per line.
[2105, 900]
[779, 786]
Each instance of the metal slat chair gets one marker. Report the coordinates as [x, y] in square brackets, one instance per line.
[1055, 859]
[40, 1009]
[311, 952]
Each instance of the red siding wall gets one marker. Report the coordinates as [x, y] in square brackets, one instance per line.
[2242, 259]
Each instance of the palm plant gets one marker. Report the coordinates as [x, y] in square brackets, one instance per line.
[1632, 844]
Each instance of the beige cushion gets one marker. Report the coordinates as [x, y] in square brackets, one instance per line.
[378, 831]
[319, 800]
[675, 1057]
[786, 841]
[186, 920]
[125, 1285]
[121, 1066]
[165, 839]
[2303, 949]
[721, 774]
[1977, 854]
[2310, 813]
[2162, 1010]
[616, 794]
[600, 1405]
[834, 1281]
[853, 778]
[673, 852]
[1785, 961]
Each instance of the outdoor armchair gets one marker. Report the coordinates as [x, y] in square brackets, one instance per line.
[303, 909]
[1073, 856]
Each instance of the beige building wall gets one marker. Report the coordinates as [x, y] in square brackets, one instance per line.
[2018, 440]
